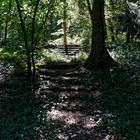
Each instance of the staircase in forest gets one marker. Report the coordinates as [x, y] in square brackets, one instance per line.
[69, 49]
[65, 97]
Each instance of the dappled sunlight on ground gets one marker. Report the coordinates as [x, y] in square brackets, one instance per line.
[75, 118]
[70, 102]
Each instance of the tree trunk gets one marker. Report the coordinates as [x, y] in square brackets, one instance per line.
[7, 20]
[127, 37]
[25, 39]
[112, 34]
[65, 26]
[33, 43]
[112, 8]
[99, 56]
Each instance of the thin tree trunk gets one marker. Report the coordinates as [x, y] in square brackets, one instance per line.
[65, 26]
[7, 20]
[89, 9]
[25, 39]
[128, 37]
[32, 39]
[112, 6]
[112, 34]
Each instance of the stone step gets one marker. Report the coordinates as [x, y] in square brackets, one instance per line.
[62, 82]
[58, 88]
[61, 74]
[71, 70]
[68, 46]
[58, 65]
[59, 78]
[72, 48]
[70, 51]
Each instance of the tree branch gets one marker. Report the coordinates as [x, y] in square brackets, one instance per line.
[32, 36]
[46, 17]
[89, 7]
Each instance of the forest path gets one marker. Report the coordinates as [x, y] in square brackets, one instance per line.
[65, 97]
[68, 103]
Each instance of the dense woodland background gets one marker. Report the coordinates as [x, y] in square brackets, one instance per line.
[69, 70]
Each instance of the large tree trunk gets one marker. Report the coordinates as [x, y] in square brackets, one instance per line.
[99, 56]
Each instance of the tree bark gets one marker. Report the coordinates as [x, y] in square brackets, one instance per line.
[25, 39]
[32, 39]
[7, 20]
[99, 56]
[65, 26]
[127, 37]
[112, 33]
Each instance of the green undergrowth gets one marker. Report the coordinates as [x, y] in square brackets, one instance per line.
[18, 109]
[120, 102]
[80, 57]
[53, 55]
[22, 117]
[120, 99]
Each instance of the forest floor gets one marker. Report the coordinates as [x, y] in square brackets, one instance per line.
[69, 103]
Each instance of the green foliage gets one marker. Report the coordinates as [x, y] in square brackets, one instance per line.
[80, 57]
[22, 115]
[86, 42]
[123, 104]
[12, 54]
[125, 53]
[53, 55]
[120, 99]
